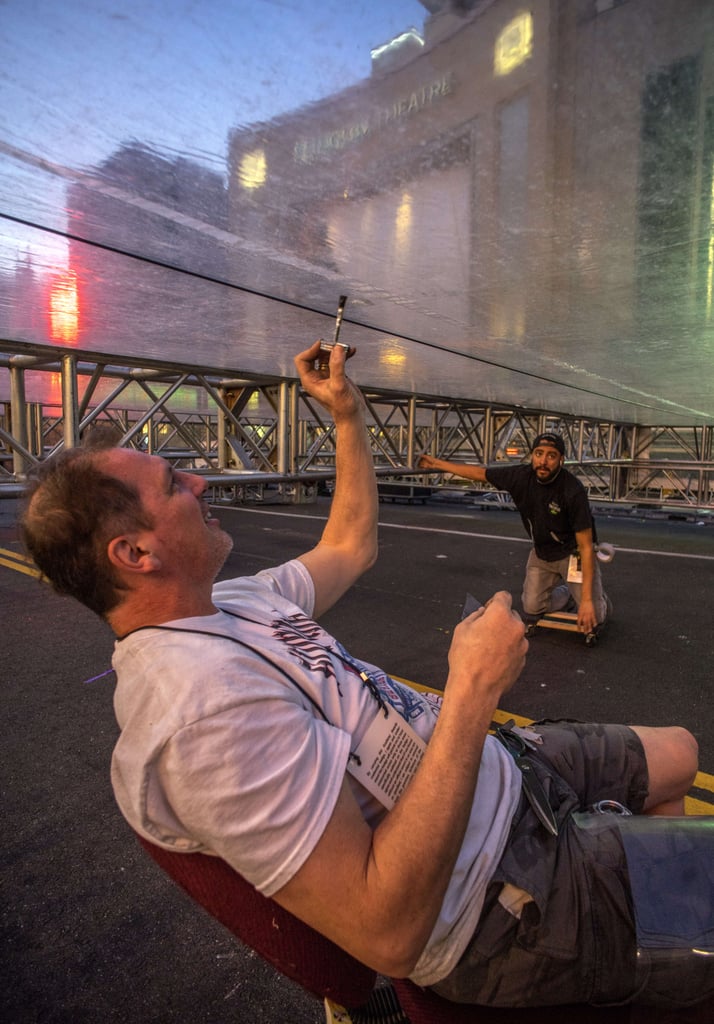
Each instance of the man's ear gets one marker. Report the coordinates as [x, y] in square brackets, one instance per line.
[127, 554]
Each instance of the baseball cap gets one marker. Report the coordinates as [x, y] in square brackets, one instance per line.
[554, 440]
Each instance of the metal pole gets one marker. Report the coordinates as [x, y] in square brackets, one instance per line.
[18, 416]
[221, 430]
[285, 448]
[294, 405]
[70, 401]
[411, 429]
[488, 438]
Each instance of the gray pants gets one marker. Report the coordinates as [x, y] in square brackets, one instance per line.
[545, 588]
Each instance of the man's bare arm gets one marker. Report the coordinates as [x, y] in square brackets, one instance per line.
[477, 473]
[587, 617]
[348, 546]
[378, 894]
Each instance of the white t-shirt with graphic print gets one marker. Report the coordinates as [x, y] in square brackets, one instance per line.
[223, 749]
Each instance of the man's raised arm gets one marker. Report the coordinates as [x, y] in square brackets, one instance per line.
[463, 469]
[348, 546]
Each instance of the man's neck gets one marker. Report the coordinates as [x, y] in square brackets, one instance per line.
[137, 610]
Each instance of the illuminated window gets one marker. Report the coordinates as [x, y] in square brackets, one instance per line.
[403, 221]
[514, 45]
[253, 169]
[64, 308]
[393, 357]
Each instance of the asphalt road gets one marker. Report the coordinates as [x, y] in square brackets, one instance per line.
[91, 931]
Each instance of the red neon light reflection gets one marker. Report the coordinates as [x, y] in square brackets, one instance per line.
[64, 308]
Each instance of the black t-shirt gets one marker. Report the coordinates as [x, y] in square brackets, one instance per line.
[552, 513]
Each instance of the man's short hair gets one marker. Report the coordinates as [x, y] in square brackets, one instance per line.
[554, 440]
[72, 509]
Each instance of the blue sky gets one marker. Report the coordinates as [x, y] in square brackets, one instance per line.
[79, 76]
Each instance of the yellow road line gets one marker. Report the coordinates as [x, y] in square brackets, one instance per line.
[694, 806]
[702, 781]
[18, 562]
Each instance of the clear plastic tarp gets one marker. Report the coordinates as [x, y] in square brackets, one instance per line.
[518, 201]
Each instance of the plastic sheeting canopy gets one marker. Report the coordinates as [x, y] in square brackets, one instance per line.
[517, 201]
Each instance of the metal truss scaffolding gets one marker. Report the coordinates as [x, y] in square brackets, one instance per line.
[259, 438]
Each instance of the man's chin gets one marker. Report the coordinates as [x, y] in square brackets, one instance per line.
[224, 547]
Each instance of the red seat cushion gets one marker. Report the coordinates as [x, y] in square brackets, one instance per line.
[290, 945]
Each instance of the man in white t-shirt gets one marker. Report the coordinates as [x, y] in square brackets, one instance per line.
[388, 820]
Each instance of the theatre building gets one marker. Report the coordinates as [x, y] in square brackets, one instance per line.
[490, 161]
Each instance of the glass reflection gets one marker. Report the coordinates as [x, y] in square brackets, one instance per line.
[64, 309]
[513, 45]
[529, 193]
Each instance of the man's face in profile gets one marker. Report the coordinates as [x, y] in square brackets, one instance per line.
[184, 532]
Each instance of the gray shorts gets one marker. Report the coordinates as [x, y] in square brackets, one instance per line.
[575, 943]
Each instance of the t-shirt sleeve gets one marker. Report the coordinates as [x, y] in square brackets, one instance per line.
[255, 786]
[580, 511]
[502, 477]
[291, 580]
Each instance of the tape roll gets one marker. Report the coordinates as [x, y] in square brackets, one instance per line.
[605, 552]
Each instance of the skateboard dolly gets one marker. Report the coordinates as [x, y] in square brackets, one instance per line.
[562, 620]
